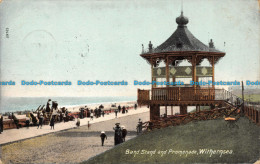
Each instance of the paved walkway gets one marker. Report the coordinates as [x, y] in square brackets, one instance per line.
[12, 135]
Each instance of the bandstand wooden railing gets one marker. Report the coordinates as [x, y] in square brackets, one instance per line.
[182, 94]
[187, 94]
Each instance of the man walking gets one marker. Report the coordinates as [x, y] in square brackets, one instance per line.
[116, 113]
[119, 108]
[103, 136]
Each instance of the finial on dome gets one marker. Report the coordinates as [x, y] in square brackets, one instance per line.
[182, 20]
[150, 46]
[211, 44]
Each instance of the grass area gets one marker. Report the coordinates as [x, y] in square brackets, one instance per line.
[238, 142]
[253, 98]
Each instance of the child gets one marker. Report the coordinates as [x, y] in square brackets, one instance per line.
[78, 122]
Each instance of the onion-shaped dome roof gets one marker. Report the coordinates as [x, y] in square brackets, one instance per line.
[182, 20]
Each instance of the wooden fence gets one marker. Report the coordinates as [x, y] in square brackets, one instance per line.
[252, 113]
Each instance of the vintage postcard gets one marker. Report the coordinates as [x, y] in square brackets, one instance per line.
[127, 81]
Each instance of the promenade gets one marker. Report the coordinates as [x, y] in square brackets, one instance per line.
[13, 135]
[68, 144]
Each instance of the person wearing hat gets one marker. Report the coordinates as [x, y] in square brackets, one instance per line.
[103, 136]
[123, 110]
[124, 133]
[116, 112]
[99, 112]
[139, 126]
[118, 134]
[119, 108]
[48, 109]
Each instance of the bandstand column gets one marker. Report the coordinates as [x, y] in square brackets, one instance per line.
[194, 78]
[213, 71]
[183, 109]
[154, 111]
[173, 79]
[167, 71]
[213, 78]
[152, 78]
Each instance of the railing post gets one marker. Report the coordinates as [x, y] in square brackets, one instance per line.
[251, 113]
[209, 95]
[224, 94]
[179, 94]
[155, 94]
[258, 117]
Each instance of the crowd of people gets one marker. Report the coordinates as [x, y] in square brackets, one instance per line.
[123, 109]
[52, 114]
[59, 115]
[86, 112]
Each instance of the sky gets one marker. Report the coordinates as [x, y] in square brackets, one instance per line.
[101, 40]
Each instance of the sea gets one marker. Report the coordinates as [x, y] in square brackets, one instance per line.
[13, 104]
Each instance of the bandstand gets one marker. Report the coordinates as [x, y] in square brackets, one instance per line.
[182, 45]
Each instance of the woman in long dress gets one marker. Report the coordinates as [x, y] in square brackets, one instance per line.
[52, 123]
